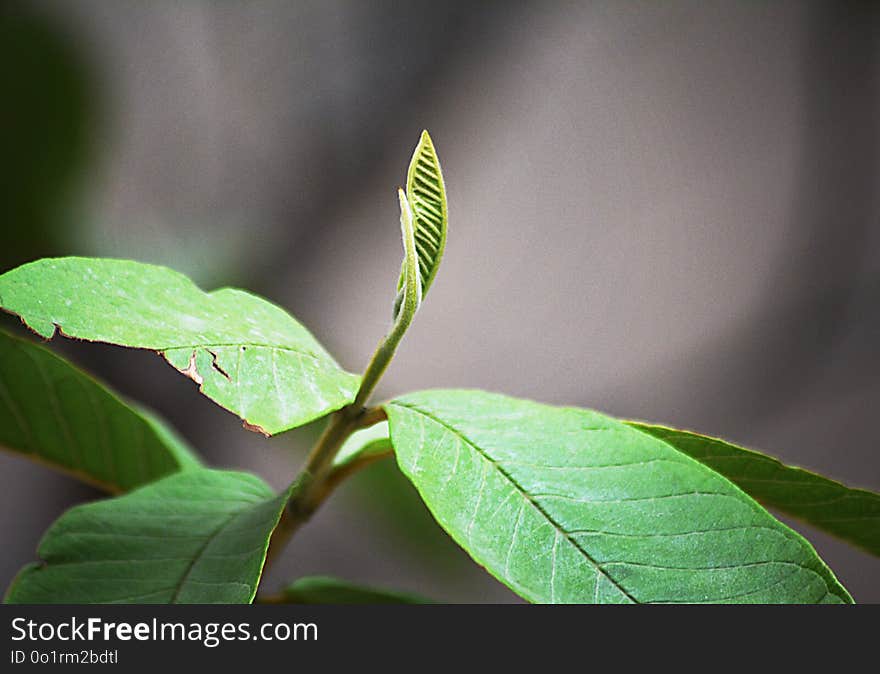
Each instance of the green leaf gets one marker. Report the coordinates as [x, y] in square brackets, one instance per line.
[327, 590]
[197, 537]
[423, 230]
[372, 441]
[406, 305]
[568, 505]
[409, 296]
[426, 194]
[850, 514]
[246, 354]
[53, 413]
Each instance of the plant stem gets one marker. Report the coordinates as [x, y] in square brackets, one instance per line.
[406, 311]
[318, 479]
[378, 364]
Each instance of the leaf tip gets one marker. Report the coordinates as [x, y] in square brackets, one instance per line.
[405, 208]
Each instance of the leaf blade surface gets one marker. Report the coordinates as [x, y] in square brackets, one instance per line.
[568, 505]
[851, 514]
[53, 413]
[195, 537]
[426, 194]
[362, 444]
[244, 353]
[329, 590]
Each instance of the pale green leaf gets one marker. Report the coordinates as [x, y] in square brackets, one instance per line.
[53, 413]
[568, 505]
[197, 537]
[406, 305]
[426, 194]
[328, 590]
[372, 441]
[426, 197]
[245, 354]
[423, 230]
[850, 514]
[409, 295]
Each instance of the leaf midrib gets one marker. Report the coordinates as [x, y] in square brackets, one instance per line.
[519, 489]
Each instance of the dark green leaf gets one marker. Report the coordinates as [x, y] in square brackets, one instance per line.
[327, 590]
[197, 537]
[850, 514]
[245, 354]
[568, 505]
[53, 413]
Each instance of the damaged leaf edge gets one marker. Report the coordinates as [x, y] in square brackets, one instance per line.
[190, 371]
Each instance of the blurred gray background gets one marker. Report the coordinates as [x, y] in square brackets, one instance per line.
[666, 211]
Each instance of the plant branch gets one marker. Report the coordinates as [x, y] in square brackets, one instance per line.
[379, 362]
[319, 478]
[405, 311]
